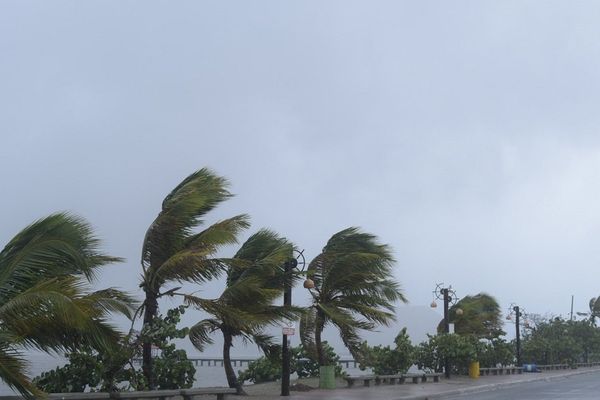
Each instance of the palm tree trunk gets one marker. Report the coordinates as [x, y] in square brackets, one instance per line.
[318, 343]
[229, 372]
[149, 314]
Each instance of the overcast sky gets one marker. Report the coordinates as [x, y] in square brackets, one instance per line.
[463, 133]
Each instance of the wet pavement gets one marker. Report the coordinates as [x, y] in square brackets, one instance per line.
[456, 386]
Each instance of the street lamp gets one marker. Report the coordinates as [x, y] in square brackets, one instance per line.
[516, 311]
[448, 295]
[288, 267]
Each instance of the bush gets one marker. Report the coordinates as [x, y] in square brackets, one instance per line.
[113, 370]
[268, 369]
[460, 351]
[264, 369]
[306, 366]
[387, 361]
[494, 352]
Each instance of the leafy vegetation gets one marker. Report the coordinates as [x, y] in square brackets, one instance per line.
[558, 341]
[268, 368]
[388, 361]
[115, 370]
[45, 297]
[354, 290]
[491, 353]
[460, 350]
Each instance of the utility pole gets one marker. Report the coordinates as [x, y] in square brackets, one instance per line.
[572, 298]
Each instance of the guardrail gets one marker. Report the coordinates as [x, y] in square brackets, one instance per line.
[241, 361]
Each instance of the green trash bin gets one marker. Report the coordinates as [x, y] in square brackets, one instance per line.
[327, 377]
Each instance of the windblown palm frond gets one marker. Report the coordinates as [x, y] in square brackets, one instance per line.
[354, 289]
[45, 271]
[13, 366]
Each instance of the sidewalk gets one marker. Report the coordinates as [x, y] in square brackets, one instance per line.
[409, 391]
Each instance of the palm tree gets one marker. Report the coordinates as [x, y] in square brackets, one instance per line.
[45, 303]
[354, 290]
[480, 317]
[255, 278]
[173, 252]
[594, 309]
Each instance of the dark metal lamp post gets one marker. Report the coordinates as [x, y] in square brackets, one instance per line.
[448, 295]
[289, 266]
[515, 311]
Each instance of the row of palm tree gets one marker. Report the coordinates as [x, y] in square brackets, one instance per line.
[45, 271]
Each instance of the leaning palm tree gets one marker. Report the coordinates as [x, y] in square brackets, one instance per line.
[594, 309]
[45, 301]
[354, 289]
[173, 252]
[479, 316]
[255, 279]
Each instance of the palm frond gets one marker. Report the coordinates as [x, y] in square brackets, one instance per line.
[307, 331]
[13, 369]
[200, 333]
[187, 266]
[181, 212]
[112, 300]
[58, 245]
[55, 314]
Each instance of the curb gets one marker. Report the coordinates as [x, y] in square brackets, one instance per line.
[493, 386]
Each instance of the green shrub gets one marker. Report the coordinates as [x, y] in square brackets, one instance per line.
[494, 352]
[268, 369]
[387, 361]
[113, 370]
[460, 350]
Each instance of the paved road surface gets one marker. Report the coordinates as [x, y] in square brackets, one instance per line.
[579, 387]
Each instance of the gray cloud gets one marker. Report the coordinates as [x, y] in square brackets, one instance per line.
[463, 133]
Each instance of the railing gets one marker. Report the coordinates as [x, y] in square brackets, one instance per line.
[241, 361]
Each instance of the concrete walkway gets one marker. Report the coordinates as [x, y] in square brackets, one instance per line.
[445, 388]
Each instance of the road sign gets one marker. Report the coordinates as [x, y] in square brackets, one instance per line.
[286, 330]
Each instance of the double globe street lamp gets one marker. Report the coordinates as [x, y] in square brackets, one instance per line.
[517, 312]
[297, 263]
[449, 297]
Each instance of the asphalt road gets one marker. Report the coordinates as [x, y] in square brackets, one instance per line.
[578, 387]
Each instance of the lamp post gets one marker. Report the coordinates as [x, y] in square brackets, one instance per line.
[448, 295]
[516, 311]
[288, 267]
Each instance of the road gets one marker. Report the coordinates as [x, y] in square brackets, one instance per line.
[579, 387]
